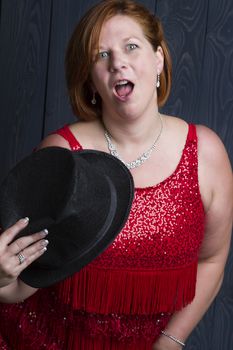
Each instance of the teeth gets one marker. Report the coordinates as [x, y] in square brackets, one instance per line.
[122, 82]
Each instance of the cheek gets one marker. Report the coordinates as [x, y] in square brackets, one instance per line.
[146, 66]
[98, 77]
[147, 76]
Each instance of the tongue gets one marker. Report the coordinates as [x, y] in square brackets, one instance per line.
[124, 90]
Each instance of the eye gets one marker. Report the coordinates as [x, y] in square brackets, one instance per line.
[131, 47]
[103, 54]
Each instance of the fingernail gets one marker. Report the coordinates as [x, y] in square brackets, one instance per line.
[26, 220]
[45, 242]
[45, 231]
[44, 249]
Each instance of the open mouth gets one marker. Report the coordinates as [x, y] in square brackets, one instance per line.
[124, 88]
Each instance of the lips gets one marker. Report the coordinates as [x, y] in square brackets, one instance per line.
[123, 88]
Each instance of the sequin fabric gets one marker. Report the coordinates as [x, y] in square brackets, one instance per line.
[163, 233]
[166, 222]
[165, 225]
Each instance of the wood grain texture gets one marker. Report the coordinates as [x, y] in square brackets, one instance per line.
[216, 103]
[185, 29]
[222, 324]
[201, 337]
[200, 39]
[23, 68]
[34, 101]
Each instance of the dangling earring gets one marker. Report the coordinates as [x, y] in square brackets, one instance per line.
[158, 81]
[93, 101]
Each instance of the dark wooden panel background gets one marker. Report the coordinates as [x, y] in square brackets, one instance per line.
[33, 98]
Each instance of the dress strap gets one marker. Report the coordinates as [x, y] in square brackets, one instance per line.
[192, 133]
[67, 134]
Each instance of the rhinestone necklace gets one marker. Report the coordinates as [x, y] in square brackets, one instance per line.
[140, 160]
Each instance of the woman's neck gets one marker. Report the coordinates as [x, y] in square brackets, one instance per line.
[132, 131]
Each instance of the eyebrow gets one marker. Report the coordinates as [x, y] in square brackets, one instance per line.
[131, 38]
[124, 40]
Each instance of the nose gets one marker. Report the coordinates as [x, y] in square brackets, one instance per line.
[117, 62]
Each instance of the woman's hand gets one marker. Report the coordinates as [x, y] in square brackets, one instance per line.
[16, 256]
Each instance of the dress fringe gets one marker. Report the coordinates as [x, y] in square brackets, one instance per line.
[31, 330]
[106, 292]
[131, 292]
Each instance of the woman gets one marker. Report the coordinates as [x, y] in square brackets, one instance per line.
[151, 287]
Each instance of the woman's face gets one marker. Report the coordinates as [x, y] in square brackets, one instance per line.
[126, 69]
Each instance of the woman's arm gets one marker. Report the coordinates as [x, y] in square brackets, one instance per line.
[216, 185]
[15, 292]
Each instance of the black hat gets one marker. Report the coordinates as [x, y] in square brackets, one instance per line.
[83, 198]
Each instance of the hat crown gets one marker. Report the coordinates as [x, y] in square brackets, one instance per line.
[83, 198]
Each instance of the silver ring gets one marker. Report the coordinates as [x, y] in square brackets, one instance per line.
[21, 258]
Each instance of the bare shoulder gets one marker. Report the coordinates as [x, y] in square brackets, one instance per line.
[175, 123]
[210, 142]
[176, 130]
[89, 134]
[215, 172]
[216, 185]
[59, 141]
[53, 140]
[84, 128]
[213, 156]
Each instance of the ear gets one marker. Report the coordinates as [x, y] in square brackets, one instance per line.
[159, 59]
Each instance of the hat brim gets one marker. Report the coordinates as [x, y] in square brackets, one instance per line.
[122, 190]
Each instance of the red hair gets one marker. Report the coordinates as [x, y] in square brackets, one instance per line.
[84, 41]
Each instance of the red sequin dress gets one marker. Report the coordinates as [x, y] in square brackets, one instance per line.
[125, 297]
